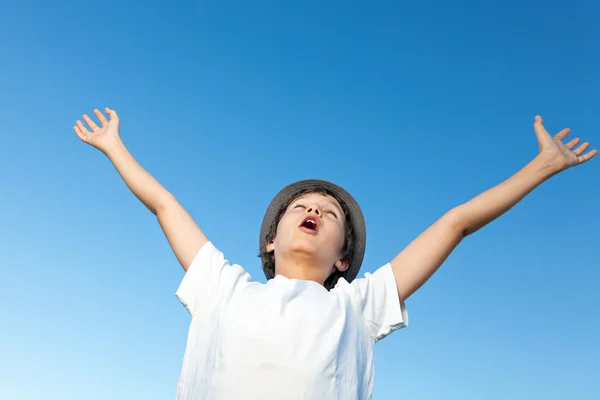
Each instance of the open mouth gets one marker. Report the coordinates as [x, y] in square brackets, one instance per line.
[310, 225]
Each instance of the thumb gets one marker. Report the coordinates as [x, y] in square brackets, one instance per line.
[541, 132]
[538, 126]
[111, 113]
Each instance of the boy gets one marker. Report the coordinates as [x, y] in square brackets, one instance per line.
[308, 333]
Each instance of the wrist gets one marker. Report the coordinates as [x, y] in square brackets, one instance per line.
[543, 168]
[113, 147]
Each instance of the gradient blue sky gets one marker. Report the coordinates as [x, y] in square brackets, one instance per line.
[413, 108]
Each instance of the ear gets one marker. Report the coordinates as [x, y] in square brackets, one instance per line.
[342, 265]
[270, 246]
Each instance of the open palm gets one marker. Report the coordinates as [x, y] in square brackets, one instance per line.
[560, 155]
[99, 136]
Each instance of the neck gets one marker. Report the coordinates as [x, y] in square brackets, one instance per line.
[301, 267]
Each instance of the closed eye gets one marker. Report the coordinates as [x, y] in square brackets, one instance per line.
[332, 213]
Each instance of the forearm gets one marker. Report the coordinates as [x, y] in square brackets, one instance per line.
[182, 232]
[143, 185]
[489, 205]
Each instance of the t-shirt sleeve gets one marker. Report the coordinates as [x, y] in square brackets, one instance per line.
[376, 297]
[209, 279]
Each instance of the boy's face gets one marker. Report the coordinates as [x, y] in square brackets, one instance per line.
[310, 234]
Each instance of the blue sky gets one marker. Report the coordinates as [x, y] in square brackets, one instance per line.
[413, 108]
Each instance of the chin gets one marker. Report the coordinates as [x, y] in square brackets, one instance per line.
[304, 250]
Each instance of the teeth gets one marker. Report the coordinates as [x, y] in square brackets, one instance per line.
[310, 223]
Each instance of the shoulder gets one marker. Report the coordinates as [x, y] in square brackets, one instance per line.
[209, 278]
[382, 277]
[375, 297]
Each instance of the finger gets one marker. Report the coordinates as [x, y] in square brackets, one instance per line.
[561, 135]
[82, 127]
[101, 117]
[79, 133]
[573, 143]
[90, 123]
[579, 151]
[587, 157]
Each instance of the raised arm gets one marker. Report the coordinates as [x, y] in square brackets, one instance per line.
[414, 265]
[183, 234]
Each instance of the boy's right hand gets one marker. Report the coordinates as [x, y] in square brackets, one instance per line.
[104, 137]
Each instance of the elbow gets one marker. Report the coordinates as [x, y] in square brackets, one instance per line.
[456, 223]
[164, 204]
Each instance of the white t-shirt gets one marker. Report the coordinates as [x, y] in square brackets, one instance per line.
[287, 339]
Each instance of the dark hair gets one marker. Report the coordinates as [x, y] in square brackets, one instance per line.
[268, 258]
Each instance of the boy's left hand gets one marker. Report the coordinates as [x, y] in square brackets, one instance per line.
[557, 155]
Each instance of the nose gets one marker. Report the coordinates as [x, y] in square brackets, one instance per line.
[313, 209]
